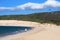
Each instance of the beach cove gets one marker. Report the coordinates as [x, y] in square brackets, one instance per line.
[43, 31]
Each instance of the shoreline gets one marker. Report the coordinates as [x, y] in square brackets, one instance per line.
[40, 31]
[19, 23]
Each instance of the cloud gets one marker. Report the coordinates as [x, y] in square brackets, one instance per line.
[52, 3]
[30, 5]
[34, 6]
[7, 8]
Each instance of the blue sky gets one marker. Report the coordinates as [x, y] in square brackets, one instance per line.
[9, 7]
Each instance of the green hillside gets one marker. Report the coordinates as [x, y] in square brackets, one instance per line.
[44, 17]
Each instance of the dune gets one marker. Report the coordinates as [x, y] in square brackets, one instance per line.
[44, 31]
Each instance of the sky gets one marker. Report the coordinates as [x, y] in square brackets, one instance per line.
[13, 7]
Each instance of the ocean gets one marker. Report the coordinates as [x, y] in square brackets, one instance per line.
[10, 30]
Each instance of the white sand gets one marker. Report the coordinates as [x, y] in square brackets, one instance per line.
[40, 31]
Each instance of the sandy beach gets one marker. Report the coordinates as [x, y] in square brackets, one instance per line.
[40, 32]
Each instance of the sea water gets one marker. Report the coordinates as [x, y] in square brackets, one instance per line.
[10, 30]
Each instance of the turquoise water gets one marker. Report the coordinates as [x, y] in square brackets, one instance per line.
[10, 30]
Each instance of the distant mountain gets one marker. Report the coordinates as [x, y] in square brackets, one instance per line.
[49, 17]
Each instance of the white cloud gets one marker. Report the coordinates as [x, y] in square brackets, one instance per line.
[29, 5]
[7, 8]
[52, 3]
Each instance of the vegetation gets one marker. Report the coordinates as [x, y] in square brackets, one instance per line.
[44, 17]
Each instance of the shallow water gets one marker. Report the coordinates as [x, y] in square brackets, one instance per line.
[10, 30]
